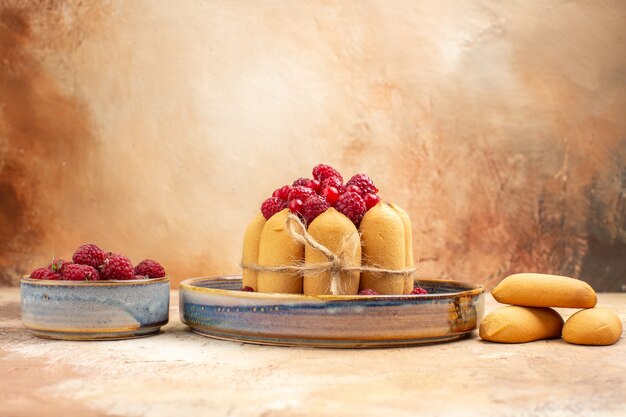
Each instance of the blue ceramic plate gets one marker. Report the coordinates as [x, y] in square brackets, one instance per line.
[213, 306]
[95, 310]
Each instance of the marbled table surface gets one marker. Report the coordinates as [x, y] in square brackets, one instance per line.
[184, 374]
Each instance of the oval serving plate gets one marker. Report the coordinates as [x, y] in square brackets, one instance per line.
[214, 307]
[95, 310]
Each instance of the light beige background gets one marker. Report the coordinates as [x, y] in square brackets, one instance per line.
[156, 128]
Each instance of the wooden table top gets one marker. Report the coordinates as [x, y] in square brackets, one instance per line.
[183, 374]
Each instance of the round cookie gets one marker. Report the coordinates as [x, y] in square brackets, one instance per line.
[513, 324]
[594, 326]
[542, 290]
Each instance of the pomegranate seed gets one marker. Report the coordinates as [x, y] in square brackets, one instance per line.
[314, 185]
[371, 200]
[295, 206]
[330, 194]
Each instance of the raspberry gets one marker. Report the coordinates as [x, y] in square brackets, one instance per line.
[301, 182]
[352, 206]
[364, 182]
[150, 268]
[371, 200]
[39, 273]
[45, 273]
[368, 291]
[78, 272]
[272, 206]
[57, 265]
[331, 194]
[333, 182]
[141, 277]
[354, 189]
[419, 290]
[321, 172]
[301, 193]
[118, 267]
[295, 206]
[89, 254]
[313, 207]
[282, 192]
[247, 289]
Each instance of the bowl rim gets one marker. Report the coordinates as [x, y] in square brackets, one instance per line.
[95, 283]
[189, 285]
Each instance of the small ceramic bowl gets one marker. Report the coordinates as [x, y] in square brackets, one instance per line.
[213, 306]
[95, 310]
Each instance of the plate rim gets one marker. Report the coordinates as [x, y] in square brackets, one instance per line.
[95, 283]
[189, 285]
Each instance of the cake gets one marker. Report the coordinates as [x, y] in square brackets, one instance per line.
[320, 236]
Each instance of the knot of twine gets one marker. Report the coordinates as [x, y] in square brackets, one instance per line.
[336, 262]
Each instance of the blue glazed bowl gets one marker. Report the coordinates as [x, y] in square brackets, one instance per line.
[213, 306]
[94, 310]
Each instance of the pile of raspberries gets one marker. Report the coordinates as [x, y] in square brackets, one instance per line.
[90, 263]
[310, 197]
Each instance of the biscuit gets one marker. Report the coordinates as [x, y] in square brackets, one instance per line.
[594, 326]
[335, 231]
[541, 290]
[513, 324]
[383, 246]
[278, 248]
[408, 247]
[250, 251]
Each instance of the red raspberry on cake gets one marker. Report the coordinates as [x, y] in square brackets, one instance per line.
[354, 189]
[365, 184]
[352, 206]
[272, 206]
[78, 272]
[118, 267]
[89, 254]
[150, 268]
[282, 192]
[321, 172]
[300, 193]
[313, 207]
[419, 290]
[45, 273]
[303, 182]
[333, 182]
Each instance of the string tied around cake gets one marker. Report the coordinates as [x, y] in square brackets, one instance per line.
[335, 263]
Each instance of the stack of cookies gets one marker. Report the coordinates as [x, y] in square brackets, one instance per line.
[529, 316]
